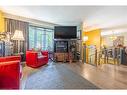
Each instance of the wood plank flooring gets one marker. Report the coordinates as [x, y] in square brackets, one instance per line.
[106, 76]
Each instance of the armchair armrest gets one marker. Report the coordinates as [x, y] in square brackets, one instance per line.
[45, 53]
[31, 56]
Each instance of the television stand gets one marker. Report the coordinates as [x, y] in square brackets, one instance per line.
[65, 50]
[61, 57]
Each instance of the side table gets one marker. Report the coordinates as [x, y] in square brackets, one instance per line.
[21, 54]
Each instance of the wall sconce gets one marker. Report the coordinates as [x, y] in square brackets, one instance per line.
[85, 38]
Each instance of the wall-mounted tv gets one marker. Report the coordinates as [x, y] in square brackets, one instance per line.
[65, 32]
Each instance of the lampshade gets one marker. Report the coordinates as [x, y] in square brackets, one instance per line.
[18, 35]
[85, 38]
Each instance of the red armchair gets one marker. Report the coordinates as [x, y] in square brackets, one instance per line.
[10, 72]
[10, 58]
[33, 60]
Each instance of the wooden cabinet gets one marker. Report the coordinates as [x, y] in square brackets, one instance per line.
[62, 57]
[65, 50]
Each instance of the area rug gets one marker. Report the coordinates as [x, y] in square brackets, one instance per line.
[57, 76]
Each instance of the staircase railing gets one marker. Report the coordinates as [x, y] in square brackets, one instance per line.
[99, 58]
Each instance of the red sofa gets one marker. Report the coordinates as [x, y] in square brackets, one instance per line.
[34, 61]
[10, 72]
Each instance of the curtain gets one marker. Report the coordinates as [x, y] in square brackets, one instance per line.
[10, 26]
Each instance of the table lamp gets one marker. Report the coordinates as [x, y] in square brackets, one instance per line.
[18, 35]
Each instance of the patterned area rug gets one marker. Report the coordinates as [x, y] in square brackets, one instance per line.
[57, 76]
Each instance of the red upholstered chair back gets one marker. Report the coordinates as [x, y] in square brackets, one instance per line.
[45, 53]
[10, 58]
[10, 75]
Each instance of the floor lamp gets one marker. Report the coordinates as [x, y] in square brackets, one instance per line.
[18, 36]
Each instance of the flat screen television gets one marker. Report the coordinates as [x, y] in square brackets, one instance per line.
[65, 32]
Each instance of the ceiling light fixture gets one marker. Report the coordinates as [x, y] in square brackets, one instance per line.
[113, 37]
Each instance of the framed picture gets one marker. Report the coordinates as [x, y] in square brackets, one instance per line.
[119, 41]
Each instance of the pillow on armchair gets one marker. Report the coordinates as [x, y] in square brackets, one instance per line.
[40, 55]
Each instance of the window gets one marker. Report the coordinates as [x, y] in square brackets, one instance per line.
[31, 37]
[41, 38]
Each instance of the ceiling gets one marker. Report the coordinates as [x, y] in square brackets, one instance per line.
[105, 17]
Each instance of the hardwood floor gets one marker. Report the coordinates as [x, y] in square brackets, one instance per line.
[106, 76]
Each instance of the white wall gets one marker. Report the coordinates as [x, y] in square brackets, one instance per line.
[109, 42]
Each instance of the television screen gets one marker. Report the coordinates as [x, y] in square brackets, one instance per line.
[65, 32]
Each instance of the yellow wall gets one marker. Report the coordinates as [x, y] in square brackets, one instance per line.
[2, 28]
[94, 38]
